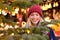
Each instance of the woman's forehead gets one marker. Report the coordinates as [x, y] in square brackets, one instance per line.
[34, 13]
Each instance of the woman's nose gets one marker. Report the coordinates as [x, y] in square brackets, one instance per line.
[34, 16]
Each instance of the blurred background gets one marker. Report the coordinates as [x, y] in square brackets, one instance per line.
[13, 13]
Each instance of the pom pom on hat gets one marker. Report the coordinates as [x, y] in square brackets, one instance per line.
[35, 8]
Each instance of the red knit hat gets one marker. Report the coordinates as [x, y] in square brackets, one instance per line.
[35, 8]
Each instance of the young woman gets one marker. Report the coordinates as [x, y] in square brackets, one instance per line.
[35, 17]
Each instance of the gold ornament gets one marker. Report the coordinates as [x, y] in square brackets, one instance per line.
[28, 31]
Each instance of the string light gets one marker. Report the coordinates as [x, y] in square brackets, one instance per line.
[22, 10]
[2, 24]
[12, 34]
[13, 13]
[47, 19]
[45, 7]
[6, 8]
[16, 10]
[49, 6]
[0, 11]
[3, 12]
[16, 26]
[56, 4]
[6, 27]
[11, 26]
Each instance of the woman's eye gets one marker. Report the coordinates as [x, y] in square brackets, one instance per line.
[37, 15]
[32, 15]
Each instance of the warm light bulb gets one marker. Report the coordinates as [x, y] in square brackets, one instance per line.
[0, 11]
[22, 10]
[56, 4]
[10, 26]
[13, 13]
[45, 7]
[12, 34]
[3, 12]
[16, 10]
[2, 24]
[5, 8]
[47, 19]
[6, 27]
[16, 26]
[49, 6]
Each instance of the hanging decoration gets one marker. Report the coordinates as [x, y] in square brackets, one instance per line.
[56, 4]
[49, 6]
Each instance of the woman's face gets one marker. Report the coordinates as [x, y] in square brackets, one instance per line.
[34, 18]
